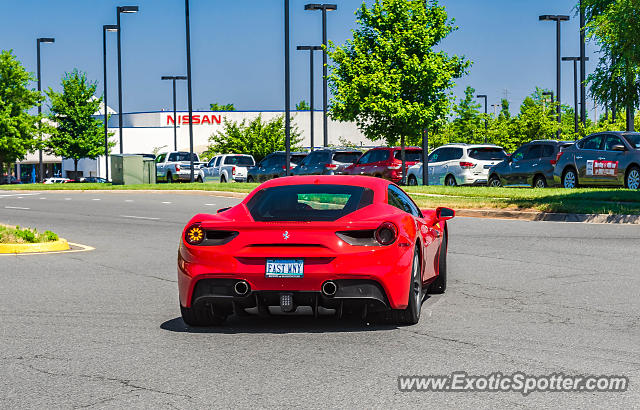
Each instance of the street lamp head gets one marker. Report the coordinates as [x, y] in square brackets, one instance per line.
[173, 77]
[551, 17]
[110, 27]
[312, 48]
[481, 96]
[574, 59]
[128, 9]
[317, 6]
[46, 40]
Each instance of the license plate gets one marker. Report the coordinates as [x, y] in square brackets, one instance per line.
[284, 268]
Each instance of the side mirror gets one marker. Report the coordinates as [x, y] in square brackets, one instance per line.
[444, 214]
[619, 147]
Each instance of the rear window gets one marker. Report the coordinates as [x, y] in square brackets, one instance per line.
[487, 154]
[296, 159]
[181, 157]
[240, 160]
[308, 202]
[633, 140]
[410, 156]
[346, 157]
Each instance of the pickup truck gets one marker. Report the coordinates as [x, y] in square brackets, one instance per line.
[227, 168]
[175, 166]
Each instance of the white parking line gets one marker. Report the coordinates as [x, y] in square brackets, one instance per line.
[16, 207]
[67, 199]
[96, 199]
[140, 217]
[210, 204]
[166, 202]
[128, 200]
[43, 197]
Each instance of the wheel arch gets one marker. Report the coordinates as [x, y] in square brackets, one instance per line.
[626, 172]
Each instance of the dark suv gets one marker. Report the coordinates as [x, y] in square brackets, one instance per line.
[385, 162]
[530, 165]
[327, 161]
[273, 166]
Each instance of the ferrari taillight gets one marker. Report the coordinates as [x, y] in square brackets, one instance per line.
[194, 235]
[386, 234]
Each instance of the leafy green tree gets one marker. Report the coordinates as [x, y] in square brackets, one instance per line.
[221, 107]
[468, 126]
[76, 134]
[391, 78]
[255, 137]
[303, 106]
[18, 129]
[615, 82]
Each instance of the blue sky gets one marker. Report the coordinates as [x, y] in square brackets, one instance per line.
[237, 49]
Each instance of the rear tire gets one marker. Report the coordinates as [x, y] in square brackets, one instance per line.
[411, 315]
[439, 285]
[413, 181]
[539, 182]
[197, 316]
[569, 178]
[250, 180]
[450, 180]
[199, 179]
[632, 180]
[494, 182]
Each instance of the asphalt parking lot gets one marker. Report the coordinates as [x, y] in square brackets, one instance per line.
[102, 328]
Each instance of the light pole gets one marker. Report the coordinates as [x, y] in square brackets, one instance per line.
[583, 60]
[495, 106]
[38, 41]
[486, 127]
[311, 50]
[575, 90]
[324, 8]
[173, 78]
[558, 19]
[106, 28]
[120, 10]
[189, 89]
[287, 92]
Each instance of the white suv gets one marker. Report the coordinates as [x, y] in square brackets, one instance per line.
[458, 164]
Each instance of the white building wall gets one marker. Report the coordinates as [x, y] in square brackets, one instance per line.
[144, 132]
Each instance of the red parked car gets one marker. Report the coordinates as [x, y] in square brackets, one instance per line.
[349, 243]
[384, 162]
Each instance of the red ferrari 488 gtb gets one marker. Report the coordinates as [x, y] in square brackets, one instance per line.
[349, 243]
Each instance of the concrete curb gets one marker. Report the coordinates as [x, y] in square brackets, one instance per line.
[57, 246]
[549, 217]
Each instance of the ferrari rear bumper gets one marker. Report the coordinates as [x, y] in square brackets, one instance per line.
[231, 294]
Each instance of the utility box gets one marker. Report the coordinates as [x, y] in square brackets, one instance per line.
[148, 171]
[127, 169]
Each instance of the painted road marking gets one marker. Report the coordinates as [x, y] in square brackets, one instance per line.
[166, 202]
[96, 199]
[16, 207]
[210, 204]
[18, 195]
[67, 199]
[139, 217]
[128, 200]
[43, 198]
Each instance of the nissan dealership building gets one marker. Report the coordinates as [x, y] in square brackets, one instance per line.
[148, 132]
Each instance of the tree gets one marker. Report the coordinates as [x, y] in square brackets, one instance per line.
[468, 126]
[615, 82]
[536, 120]
[388, 78]
[18, 129]
[221, 107]
[76, 134]
[303, 106]
[257, 137]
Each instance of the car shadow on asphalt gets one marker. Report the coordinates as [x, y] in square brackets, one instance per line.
[280, 325]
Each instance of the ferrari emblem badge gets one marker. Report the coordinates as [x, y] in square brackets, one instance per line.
[285, 235]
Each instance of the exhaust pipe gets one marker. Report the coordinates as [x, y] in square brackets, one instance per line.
[329, 288]
[241, 288]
